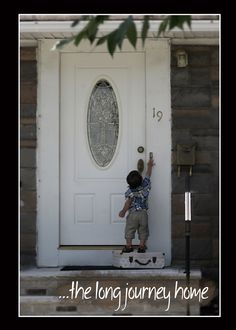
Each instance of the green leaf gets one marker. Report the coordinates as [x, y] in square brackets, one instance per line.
[145, 28]
[92, 26]
[178, 21]
[111, 42]
[101, 40]
[60, 44]
[132, 33]
[82, 34]
[163, 26]
[121, 32]
[91, 29]
[188, 20]
[92, 36]
[91, 33]
[101, 18]
[174, 21]
[75, 22]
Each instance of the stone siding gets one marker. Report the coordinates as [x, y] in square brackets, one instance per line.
[28, 144]
[195, 119]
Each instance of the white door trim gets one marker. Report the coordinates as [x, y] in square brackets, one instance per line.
[158, 130]
[48, 156]
[48, 170]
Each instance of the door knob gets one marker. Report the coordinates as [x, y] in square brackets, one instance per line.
[140, 166]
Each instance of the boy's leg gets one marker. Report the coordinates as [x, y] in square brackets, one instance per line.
[142, 243]
[143, 231]
[130, 228]
[128, 247]
[142, 246]
[129, 242]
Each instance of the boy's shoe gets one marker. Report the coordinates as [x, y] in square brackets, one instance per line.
[127, 249]
[142, 249]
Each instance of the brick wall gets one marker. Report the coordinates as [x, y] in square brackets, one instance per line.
[195, 118]
[28, 100]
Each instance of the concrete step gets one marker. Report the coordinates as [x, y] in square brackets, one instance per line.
[109, 292]
[50, 305]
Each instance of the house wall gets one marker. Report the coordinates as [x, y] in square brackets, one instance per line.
[28, 102]
[195, 119]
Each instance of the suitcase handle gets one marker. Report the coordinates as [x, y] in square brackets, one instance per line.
[146, 263]
[143, 263]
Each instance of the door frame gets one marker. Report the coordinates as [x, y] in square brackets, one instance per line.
[48, 137]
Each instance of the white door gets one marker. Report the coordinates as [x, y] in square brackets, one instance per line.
[103, 122]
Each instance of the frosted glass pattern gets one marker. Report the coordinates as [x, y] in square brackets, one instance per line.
[103, 123]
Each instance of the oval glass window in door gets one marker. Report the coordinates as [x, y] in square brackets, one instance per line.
[103, 123]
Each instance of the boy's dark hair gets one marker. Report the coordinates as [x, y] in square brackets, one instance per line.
[134, 179]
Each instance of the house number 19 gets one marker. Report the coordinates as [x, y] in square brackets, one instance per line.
[158, 114]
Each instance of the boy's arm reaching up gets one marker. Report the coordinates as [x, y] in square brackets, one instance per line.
[125, 208]
[150, 164]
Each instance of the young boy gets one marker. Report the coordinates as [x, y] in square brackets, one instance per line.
[137, 205]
